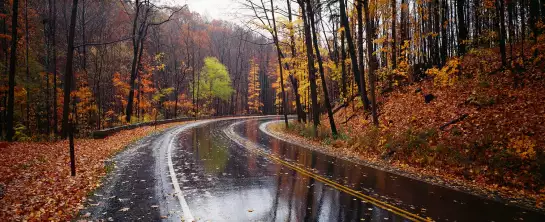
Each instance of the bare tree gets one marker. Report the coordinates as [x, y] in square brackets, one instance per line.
[139, 31]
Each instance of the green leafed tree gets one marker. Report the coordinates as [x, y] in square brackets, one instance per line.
[214, 82]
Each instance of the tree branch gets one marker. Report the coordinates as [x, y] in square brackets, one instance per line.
[103, 43]
[169, 17]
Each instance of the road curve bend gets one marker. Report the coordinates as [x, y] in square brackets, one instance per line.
[230, 170]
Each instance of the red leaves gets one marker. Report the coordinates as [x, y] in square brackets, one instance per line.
[36, 176]
[499, 146]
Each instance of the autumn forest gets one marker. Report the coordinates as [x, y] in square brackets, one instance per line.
[419, 84]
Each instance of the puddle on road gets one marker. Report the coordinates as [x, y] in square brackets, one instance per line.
[223, 181]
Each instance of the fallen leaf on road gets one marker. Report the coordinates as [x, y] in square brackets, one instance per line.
[124, 209]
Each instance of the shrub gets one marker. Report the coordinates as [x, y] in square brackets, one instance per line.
[20, 135]
[367, 141]
[414, 146]
[448, 75]
[302, 129]
[517, 163]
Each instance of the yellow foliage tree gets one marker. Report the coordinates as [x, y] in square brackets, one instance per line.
[254, 89]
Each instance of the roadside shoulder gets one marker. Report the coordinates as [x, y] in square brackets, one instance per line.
[425, 175]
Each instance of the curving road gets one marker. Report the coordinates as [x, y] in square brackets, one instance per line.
[230, 170]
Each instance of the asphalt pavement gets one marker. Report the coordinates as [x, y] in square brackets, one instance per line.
[229, 170]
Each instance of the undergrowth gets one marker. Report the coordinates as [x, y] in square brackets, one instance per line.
[498, 145]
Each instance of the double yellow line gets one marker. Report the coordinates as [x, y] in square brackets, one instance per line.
[374, 201]
[378, 203]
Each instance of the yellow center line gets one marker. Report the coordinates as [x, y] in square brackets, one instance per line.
[386, 206]
[376, 202]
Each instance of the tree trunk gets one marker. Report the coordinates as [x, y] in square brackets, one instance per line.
[404, 21]
[136, 39]
[321, 69]
[54, 66]
[27, 42]
[279, 53]
[359, 77]
[3, 99]
[444, 37]
[511, 15]
[12, 63]
[370, 30]
[311, 68]
[436, 30]
[98, 78]
[477, 19]
[533, 18]
[301, 117]
[47, 43]
[198, 91]
[68, 75]
[462, 29]
[176, 89]
[501, 12]
[343, 67]
[394, 48]
[84, 48]
[194, 90]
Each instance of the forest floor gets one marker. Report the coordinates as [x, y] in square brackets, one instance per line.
[480, 133]
[35, 181]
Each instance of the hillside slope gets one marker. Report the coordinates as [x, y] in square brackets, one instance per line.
[485, 125]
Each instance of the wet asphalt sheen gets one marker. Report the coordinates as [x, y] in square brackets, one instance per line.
[266, 179]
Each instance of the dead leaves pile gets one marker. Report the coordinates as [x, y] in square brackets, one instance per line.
[36, 177]
[493, 149]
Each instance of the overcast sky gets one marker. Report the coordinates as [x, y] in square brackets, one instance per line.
[213, 9]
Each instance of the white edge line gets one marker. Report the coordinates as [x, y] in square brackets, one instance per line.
[185, 208]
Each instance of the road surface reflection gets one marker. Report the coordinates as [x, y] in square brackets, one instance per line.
[223, 181]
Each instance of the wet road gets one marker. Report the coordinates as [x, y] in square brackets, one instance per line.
[232, 171]
[229, 170]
